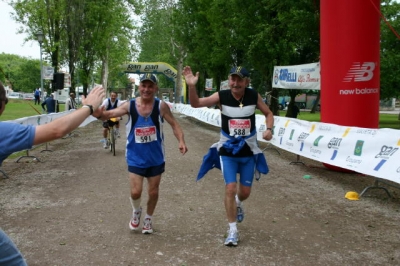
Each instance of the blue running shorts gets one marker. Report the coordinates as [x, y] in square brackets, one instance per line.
[245, 166]
[149, 171]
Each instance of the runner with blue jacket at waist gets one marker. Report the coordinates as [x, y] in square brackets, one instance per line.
[237, 149]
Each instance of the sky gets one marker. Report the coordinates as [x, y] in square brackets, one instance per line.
[13, 43]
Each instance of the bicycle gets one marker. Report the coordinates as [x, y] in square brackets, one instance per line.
[111, 134]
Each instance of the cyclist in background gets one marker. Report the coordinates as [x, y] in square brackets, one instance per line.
[109, 104]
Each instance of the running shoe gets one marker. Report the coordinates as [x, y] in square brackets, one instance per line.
[117, 133]
[135, 220]
[147, 227]
[105, 146]
[232, 239]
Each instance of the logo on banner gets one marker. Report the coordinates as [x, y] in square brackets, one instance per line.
[358, 147]
[276, 76]
[385, 153]
[360, 72]
[302, 138]
[334, 143]
[316, 141]
[281, 132]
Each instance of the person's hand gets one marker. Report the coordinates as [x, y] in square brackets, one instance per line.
[182, 148]
[267, 134]
[98, 113]
[95, 97]
[191, 80]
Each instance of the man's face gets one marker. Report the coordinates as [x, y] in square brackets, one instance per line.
[237, 84]
[147, 89]
[113, 96]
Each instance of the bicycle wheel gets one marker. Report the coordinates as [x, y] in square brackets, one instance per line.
[112, 141]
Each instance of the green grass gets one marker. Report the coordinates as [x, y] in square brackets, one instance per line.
[21, 108]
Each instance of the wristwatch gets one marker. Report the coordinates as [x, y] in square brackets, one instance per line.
[88, 106]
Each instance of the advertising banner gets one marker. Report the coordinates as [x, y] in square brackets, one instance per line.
[300, 77]
[48, 72]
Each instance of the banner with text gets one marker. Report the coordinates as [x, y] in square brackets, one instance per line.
[300, 77]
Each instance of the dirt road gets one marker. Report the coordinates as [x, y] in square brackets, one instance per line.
[72, 208]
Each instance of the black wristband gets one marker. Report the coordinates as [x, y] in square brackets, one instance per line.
[90, 107]
[268, 128]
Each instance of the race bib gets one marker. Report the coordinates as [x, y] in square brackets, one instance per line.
[239, 127]
[145, 134]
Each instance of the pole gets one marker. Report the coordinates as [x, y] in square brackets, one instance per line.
[41, 70]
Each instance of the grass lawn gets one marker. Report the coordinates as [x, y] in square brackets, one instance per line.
[22, 108]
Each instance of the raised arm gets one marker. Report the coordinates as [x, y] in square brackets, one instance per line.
[63, 125]
[195, 101]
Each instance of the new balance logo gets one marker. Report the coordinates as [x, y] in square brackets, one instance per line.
[359, 73]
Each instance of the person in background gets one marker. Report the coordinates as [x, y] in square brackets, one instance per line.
[237, 150]
[36, 94]
[145, 153]
[109, 104]
[70, 102]
[49, 105]
[16, 137]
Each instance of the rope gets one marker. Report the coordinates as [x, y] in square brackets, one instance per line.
[384, 19]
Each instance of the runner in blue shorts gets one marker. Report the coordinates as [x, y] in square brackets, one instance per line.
[145, 146]
[237, 151]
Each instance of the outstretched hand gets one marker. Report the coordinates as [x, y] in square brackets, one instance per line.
[191, 80]
[95, 97]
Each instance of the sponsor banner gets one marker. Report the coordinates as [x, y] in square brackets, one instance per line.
[47, 118]
[374, 152]
[48, 72]
[67, 80]
[301, 77]
[224, 85]
[209, 84]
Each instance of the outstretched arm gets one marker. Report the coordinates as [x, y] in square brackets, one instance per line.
[176, 128]
[63, 125]
[117, 112]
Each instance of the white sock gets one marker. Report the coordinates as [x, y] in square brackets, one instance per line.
[148, 216]
[232, 226]
[136, 204]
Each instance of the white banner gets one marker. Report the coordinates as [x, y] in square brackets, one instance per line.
[301, 77]
[48, 72]
[47, 118]
[224, 85]
[373, 152]
[209, 84]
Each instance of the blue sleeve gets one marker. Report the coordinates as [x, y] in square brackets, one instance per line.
[15, 137]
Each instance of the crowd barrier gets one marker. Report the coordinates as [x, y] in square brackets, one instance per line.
[373, 152]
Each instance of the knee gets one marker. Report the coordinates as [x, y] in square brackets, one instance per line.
[244, 193]
[230, 189]
[136, 194]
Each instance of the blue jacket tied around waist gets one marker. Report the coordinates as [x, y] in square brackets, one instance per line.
[232, 143]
